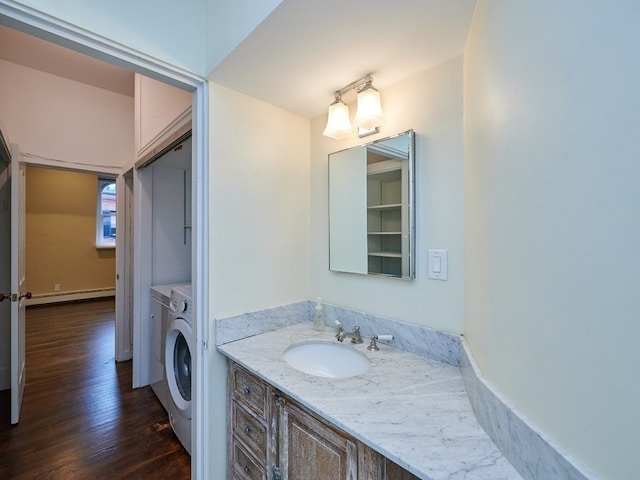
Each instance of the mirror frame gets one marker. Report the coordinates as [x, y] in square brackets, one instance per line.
[408, 238]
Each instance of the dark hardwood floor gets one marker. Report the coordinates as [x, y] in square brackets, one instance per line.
[80, 417]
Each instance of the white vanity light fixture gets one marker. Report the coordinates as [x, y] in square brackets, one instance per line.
[338, 124]
[369, 114]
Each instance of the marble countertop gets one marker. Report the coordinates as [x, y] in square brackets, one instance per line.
[413, 410]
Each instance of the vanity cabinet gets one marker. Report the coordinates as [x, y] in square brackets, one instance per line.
[392, 471]
[313, 450]
[250, 404]
[269, 432]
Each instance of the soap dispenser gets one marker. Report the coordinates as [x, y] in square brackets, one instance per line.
[318, 318]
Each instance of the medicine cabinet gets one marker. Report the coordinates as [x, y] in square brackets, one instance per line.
[371, 217]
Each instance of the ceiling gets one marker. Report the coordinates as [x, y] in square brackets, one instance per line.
[32, 52]
[299, 55]
[306, 50]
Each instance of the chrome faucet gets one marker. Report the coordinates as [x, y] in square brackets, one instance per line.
[355, 335]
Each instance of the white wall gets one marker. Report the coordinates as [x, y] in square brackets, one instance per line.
[258, 221]
[228, 23]
[170, 31]
[259, 204]
[552, 109]
[170, 242]
[193, 34]
[431, 104]
[55, 118]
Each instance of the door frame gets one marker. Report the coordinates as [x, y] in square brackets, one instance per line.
[54, 30]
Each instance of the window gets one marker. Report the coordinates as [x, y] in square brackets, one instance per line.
[106, 218]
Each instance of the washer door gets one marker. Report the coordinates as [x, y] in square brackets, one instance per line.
[178, 364]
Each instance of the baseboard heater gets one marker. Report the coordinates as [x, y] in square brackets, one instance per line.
[57, 297]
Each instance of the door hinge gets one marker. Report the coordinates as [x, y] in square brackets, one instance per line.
[276, 473]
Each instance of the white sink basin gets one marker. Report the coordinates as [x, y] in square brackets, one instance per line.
[324, 359]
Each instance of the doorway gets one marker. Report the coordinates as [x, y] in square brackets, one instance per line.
[81, 40]
[68, 256]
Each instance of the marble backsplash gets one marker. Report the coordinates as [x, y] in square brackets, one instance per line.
[517, 438]
[417, 339]
[237, 327]
[426, 342]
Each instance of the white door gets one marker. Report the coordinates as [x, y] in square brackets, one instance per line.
[18, 178]
[5, 264]
[124, 268]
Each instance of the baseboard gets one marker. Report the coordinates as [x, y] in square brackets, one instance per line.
[70, 296]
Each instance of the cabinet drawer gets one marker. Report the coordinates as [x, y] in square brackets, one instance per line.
[249, 390]
[249, 430]
[245, 467]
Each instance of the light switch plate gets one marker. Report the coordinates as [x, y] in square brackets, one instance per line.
[438, 264]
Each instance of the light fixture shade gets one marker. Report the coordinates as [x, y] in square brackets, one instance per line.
[338, 123]
[369, 113]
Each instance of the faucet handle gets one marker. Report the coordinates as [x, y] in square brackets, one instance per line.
[373, 346]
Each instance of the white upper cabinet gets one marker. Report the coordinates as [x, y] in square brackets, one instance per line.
[162, 116]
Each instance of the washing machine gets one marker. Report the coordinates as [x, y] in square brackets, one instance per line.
[178, 347]
[159, 317]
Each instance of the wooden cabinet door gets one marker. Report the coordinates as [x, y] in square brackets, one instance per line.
[312, 450]
[392, 471]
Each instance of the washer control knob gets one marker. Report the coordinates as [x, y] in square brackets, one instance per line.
[178, 306]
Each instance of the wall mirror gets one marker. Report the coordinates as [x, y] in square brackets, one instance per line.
[371, 217]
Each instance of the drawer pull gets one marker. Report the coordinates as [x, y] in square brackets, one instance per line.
[247, 391]
[247, 469]
[247, 430]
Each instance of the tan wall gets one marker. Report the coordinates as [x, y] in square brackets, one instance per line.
[61, 233]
